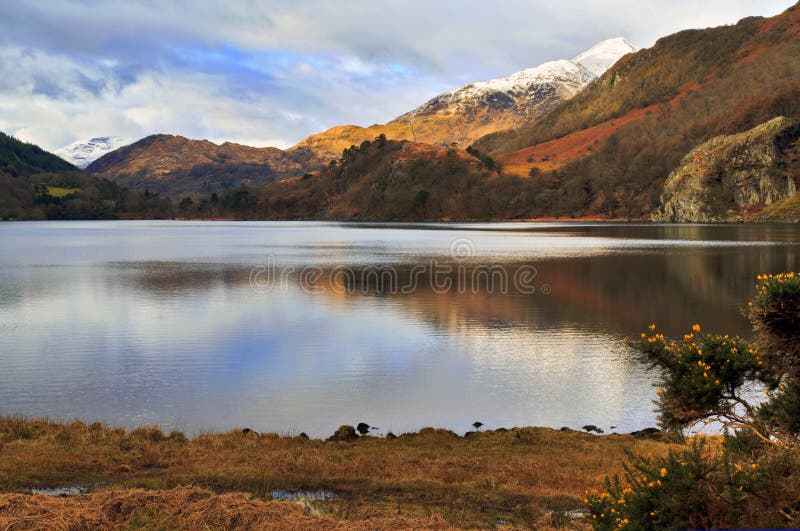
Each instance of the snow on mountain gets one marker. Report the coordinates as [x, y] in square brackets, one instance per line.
[83, 153]
[602, 56]
[526, 91]
[481, 108]
[572, 76]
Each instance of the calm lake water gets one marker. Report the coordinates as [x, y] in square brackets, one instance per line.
[294, 327]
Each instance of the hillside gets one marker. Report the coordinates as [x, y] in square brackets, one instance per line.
[571, 145]
[35, 184]
[180, 167]
[610, 149]
[384, 180]
[177, 166]
[477, 109]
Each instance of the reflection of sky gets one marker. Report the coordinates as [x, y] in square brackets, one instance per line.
[160, 325]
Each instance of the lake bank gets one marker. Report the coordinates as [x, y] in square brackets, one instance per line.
[529, 477]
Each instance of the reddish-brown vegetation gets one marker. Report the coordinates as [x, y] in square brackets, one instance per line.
[688, 88]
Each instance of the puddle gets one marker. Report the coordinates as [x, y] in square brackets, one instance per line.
[315, 495]
[60, 491]
[577, 514]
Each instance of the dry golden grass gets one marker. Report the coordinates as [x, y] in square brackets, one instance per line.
[436, 129]
[59, 191]
[179, 508]
[329, 144]
[525, 477]
[787, 209]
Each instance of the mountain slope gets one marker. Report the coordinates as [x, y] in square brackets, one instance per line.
[35, 184]
[21, 158]
[480, 108]
[379, 180]
[83, 153]
[529, 92]
[178, 166]
[384, 180]
[606, 152]
[611, 148]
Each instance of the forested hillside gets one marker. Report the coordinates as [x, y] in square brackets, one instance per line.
[382, 180]
[610, 149]
[35, 184]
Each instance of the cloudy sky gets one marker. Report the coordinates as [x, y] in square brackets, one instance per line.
[270, 72]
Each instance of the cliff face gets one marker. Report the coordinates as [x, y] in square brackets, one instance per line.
[732, 177]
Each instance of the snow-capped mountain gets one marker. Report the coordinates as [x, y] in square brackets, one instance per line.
[477, 109]
[522, 93]
[602, 56]
[530, 91]
[83, 153]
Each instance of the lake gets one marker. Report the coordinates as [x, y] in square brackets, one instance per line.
[292, 327]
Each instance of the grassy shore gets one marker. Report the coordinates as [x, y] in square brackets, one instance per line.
[524, 477]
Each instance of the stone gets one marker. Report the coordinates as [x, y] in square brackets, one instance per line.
[344, 434]
[725, 178]
[648, 433]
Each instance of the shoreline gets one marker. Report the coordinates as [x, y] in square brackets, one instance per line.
[433, 478]
[370, 432]
[566, 220]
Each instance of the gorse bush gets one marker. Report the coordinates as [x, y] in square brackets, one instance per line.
[701, 378]
[751, 476]
[776, 314]
[711, 485]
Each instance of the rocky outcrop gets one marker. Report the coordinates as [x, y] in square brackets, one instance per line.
[731, 177]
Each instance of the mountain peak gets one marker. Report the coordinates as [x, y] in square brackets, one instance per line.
[530, 91]
[483, 107]
[523, 79]
[603, 55]
[84, 152]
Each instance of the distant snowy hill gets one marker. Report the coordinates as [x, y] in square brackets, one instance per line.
[83, 153]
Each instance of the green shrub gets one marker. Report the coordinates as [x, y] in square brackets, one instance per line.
[750, 479]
